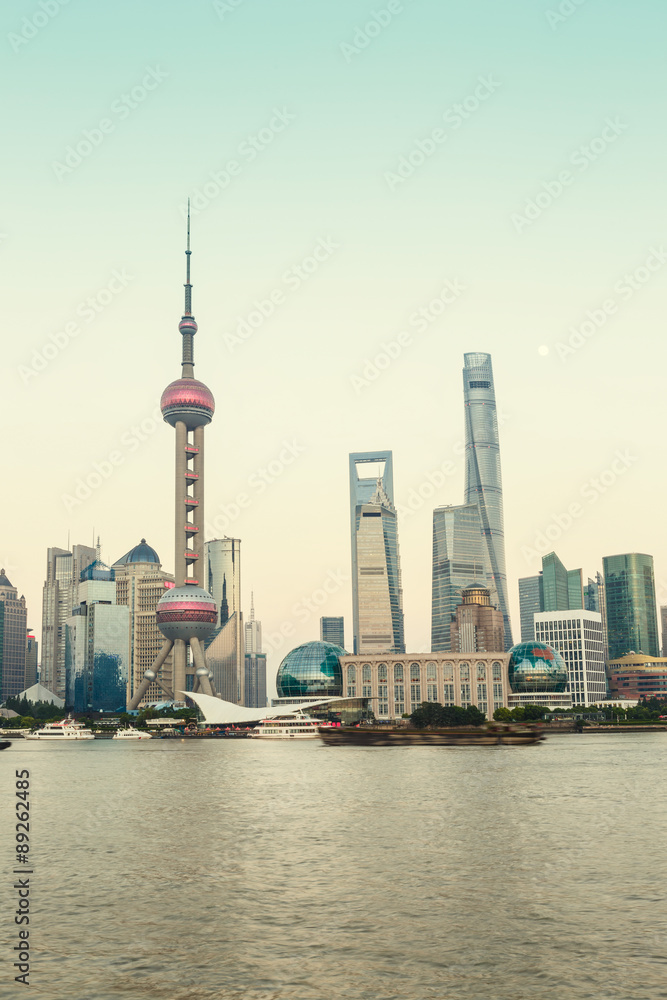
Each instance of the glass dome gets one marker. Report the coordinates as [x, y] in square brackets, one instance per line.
[535, 667]
[311, 670]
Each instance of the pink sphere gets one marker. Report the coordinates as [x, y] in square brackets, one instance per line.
[188, 400]
[184, 612]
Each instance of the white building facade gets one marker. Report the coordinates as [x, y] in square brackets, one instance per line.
[398, 684]
[577, 635]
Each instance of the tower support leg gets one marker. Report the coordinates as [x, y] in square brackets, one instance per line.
[202, 669]
[151, 674]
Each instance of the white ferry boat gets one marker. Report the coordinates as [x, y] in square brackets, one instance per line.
[63, 732]
[131, 734]
[299, 727]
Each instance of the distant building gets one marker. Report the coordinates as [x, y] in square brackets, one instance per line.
[397, 685]
[377, 597]
[255, 680]
[253, 630]
[225, 654]
[537, 675]
[59, 597]
[460, 558]
[38, 693]
[30, 659]
[663, 628]
[333, 630]
[632, 623]
[555, 588]
[478, 627]
[637, 676]
[483, 480]
[531, 602]
[13, 618]
[140, 583]
[222, 568]
[97, 645]
[577, 636]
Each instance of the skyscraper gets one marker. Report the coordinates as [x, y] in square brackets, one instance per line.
[555, 588]
[140, 584]
[460, 559]
[223, 575]
[186, 614]
[30, 660]
[577, 636]
[483, 481]
[60, 595]
[254, 688]
[531, 602]
[225, 647]
[253, 630]
[333, 630]
[97, 644]
[663, 628]
[632, 623]
[13, 618]
[377, 598]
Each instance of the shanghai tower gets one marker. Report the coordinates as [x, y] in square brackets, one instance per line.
[483, 481]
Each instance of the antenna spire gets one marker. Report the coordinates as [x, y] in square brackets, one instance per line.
[188, 286]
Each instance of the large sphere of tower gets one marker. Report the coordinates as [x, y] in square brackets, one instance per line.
[187, 400]
[186, 612]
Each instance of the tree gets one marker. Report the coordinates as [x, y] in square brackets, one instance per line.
[432, 714]
[502, 715]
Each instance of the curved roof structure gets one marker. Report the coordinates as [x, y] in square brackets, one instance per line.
[141, 553]
[223, 713]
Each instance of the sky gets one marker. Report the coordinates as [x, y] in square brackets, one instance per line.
[376, 189]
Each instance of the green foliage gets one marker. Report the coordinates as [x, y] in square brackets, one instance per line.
[432, 714]
[502, 715]
[36, 710]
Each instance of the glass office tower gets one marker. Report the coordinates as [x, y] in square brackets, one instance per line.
[563, 588]
[483, 481]
[531, 602]
[460, 558]
[632, 622]
[377, 598]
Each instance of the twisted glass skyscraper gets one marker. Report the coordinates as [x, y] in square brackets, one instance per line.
[483, 481]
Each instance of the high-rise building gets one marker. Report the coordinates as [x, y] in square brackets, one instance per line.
[186, 614]
[253, 630]
[460, 558]
[97, 644]
[59, 597]
[255, 680]
[333, 630]
[483, 480]
[562, 588]
[140, 584]
[632, 623]
[378, 598]
[663, 627]
[531, 602]
[13, 618]
[226, 659]
[478, 627]
[222, 561]
[577, 636]
[30, 659]
[592, 596]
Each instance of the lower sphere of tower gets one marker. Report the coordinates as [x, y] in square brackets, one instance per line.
[189, 401]
[186, 612]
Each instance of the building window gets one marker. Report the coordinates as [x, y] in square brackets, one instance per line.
[465, 695]
[448, 671]
[399, 692]
[448, 694]
[498, 694]
[415, 694]
[382, 672]
[497, 671]
[366, 691]
[351, 691]
[383, 708]
[432, 692]
[366, 673]
[464, 671]
[481, 696]
[481, 671]
[351, 675]
[430, 671]
[414, 672]
[398, 671]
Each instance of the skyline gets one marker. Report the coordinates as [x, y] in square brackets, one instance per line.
[578, 428]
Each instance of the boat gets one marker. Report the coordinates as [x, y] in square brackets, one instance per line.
[130, 733]
[390, 736]
[4, 744]
[298, 727]
[65, 731]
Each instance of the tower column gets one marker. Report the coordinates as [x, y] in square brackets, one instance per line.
[179, 661]
[198, 493]
[180, 510]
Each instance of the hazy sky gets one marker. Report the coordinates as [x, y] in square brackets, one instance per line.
[498, 166]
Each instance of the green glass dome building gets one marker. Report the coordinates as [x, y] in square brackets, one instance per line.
[535, 668]
[311, 670]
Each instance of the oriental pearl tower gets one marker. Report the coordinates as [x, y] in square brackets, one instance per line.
[187, 614]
